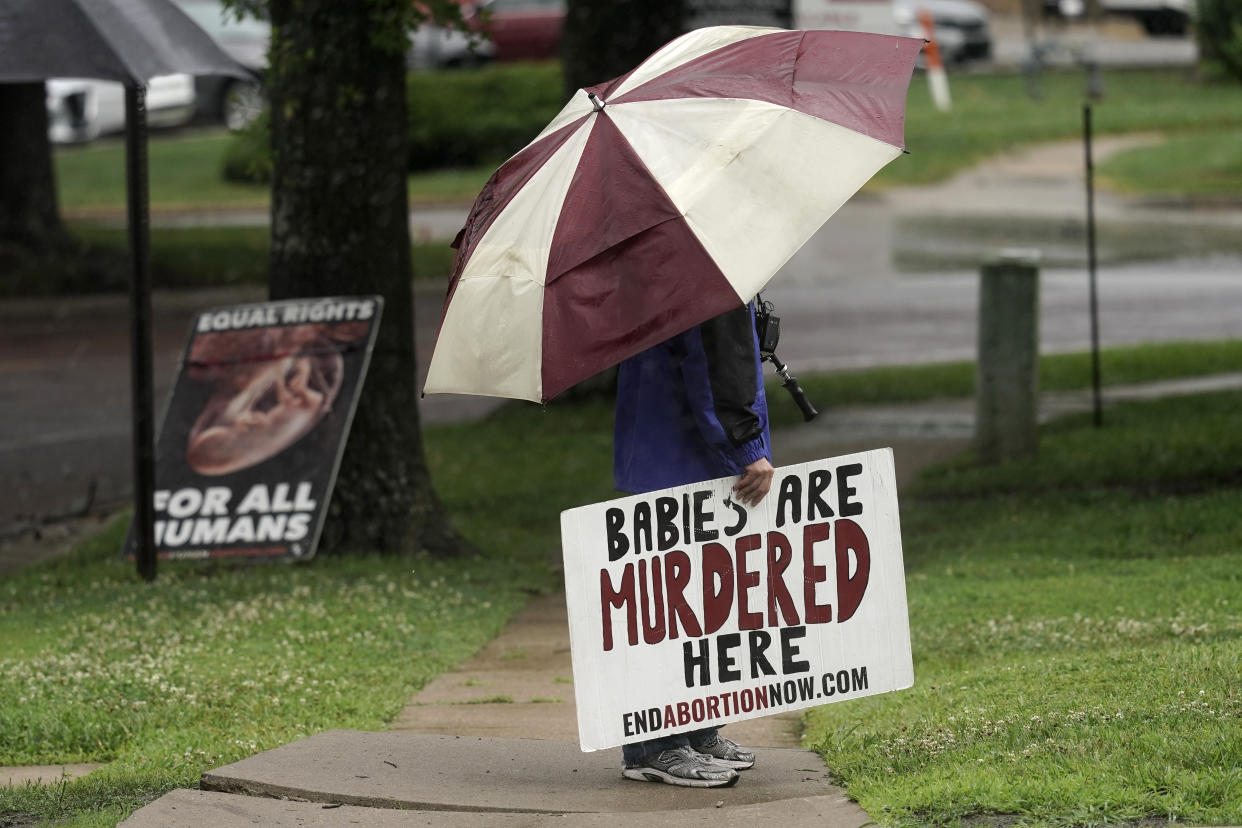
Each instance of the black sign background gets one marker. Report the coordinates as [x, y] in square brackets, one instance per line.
[316, 331]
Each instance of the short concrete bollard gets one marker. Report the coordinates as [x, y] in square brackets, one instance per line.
[1007, 366]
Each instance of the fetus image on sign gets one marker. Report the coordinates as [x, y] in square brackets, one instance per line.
[270, 388]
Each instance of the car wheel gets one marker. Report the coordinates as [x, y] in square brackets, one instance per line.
[82, 116]
[243, 102]
[1165, 23]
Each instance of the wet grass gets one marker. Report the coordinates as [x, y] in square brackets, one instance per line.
[209, 665]
[1076, 629]
[1057, 372]
[996, 113]
[185, 173]
[1204, 165]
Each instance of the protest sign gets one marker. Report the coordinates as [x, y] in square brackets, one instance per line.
[256, 425]
[689, 610]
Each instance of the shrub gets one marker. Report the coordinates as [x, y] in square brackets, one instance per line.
[249, 156]
[1219, 23]
[457, 118]
[479, 116]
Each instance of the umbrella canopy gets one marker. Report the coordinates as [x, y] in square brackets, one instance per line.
[130, 41]
[663, 198]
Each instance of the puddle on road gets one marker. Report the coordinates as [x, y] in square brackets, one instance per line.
[933, 243]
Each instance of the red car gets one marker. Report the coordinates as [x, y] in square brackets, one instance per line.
[521, 29]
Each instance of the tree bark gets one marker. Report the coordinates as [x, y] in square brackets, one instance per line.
[29, 213]
[340, 226]
[603, 39]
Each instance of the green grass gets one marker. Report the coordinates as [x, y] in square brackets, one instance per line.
[448, 185]
[1057, 372]
[207, 666]
[1077, 631]
[1206, 164]
[184, 172]
[994, 113]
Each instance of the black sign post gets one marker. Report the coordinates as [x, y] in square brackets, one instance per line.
[1097, 404]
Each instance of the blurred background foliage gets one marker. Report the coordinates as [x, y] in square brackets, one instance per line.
[460, 118]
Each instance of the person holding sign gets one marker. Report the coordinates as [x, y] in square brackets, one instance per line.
[691, 409]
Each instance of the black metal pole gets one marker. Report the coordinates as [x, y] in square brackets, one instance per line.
[140, 328]
[1097, 407]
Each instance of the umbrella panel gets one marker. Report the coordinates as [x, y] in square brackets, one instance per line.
[840, 77]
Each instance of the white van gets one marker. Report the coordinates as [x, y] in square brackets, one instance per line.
[80, 109]
[960, 26]
[1158, 17]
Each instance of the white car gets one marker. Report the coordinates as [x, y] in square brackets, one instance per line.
[235, 102]
[1158, 17]
[441, 47]
[959, 26]
[80, 109]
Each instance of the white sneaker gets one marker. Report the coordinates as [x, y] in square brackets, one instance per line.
[726, 752]
[682, 766]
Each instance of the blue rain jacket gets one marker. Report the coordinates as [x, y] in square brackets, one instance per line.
[691, 408]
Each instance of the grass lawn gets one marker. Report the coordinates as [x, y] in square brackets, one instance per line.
[209, 665]
[991, 114]
[185, 173]
[1091, 584]
[1057, 372]
[1207, 164]
[1077, 631]
[994, 113]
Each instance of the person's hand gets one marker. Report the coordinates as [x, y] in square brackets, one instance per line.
[754, 482]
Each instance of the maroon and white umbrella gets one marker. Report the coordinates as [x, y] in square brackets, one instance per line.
[663, 198]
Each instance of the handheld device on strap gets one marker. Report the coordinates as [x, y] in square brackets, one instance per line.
[768, 328]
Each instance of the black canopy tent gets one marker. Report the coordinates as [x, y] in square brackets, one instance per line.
[128, 41]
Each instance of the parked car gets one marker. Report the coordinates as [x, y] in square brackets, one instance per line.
[1158, 17]
[80, 109]
[961, 27]
[520, 29]
[235, 102]
[441, 47]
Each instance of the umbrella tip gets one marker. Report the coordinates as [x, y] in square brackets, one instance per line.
[598, 103]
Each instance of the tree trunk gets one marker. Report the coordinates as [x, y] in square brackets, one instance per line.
[29, 214]
[606, 38]
[340, 226]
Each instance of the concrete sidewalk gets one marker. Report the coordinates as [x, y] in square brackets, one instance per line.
[494, 743]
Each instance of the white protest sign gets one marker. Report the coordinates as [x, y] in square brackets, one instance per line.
[688, 610]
